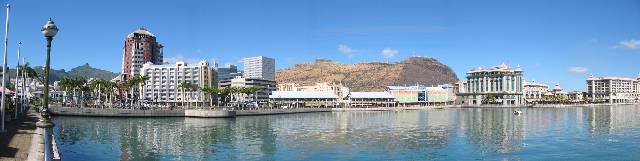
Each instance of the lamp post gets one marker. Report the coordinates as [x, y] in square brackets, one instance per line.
[17, 103]
[49, 30]
[4, 72]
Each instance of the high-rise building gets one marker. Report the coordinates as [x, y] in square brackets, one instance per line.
[260, 67]
[139, 48]
[498, 85]
[613, 89]
[164, 82]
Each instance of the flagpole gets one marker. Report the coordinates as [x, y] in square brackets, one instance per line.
[4, 71]
[16, 84]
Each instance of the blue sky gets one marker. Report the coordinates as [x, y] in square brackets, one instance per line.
[554, 41]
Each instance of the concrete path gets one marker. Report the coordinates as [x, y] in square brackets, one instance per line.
[16, 141]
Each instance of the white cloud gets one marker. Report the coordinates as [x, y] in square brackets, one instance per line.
[389, 53]
[342, 48]
[630, 44]
[180, 57]
[578, 70]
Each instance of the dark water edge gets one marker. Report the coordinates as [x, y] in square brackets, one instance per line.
[572, 133]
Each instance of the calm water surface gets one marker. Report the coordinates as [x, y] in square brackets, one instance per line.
[580, 133]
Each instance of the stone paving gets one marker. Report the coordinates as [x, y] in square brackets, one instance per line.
[16, 141]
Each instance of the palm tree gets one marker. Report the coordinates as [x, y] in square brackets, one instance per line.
[210, 91]
[185, 86]
[253, 90]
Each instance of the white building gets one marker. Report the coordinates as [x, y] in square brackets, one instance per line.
[613, 89]
[337, 89]
[534, 91]
[265, 86]
[501, 82]
[260, 67]
[164, 82]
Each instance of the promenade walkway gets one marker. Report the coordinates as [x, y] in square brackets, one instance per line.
[16, 141]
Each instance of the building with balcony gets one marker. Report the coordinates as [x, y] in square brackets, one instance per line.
[613, 89]
[140, 47]
[501, 82]
[163, 85]
[534, 91]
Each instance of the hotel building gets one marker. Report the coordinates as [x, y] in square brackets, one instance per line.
[613, 89]
[502, 82]
[260, 67]
[534, 91]
[164, 82]
[139, 48]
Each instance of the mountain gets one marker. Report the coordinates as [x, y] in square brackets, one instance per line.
[85, 71]
[372, 76]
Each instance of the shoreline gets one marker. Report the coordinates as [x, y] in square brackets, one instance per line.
[203, 113]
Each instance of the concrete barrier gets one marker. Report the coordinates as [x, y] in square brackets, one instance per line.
[209, 113]
[280, 111]
[72, 111]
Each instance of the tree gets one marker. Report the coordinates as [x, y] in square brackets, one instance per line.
[211, 91]
[489, 99]
[186, 86]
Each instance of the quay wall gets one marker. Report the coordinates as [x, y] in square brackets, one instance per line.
[280, 111]
[66, 111]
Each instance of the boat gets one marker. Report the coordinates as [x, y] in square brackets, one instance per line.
[516, 112]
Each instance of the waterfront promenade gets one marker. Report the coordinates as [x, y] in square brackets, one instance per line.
[16, 141]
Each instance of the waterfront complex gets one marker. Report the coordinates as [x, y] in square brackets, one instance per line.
[421, 95]
[164, 82]
[498, 85]
[265, 86]
[534, 91]
[139, 48]
[613, 89]
[260, 67]
[337, 89]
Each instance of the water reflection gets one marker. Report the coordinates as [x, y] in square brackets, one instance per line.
[459, 134]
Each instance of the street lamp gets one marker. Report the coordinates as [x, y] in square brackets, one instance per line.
[49, 30]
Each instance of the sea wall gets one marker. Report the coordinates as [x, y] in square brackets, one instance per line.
[67, 111]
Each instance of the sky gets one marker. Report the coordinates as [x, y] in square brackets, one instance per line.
[554, 41]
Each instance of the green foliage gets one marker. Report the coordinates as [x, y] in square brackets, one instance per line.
[490, 99]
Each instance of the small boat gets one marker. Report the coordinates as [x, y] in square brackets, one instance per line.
[517, 112]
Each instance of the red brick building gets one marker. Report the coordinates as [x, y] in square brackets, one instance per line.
[139, 47]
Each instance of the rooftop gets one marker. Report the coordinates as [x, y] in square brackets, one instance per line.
[141, 30]
[370, 95]
[302, 94]
[499, 68]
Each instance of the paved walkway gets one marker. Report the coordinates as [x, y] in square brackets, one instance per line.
[16, 141]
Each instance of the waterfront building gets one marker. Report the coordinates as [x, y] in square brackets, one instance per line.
[613, 89]
[260, 67]
[419, 95]
[371, 99]
[534, 91]
[337, 89]
[227, 72]
[501, 82]
[575, 96]
[140, 47]
[266, 87]
[557, 91]
[303, 99]
[163, 85]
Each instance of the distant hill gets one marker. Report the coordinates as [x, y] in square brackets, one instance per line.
[372, 76]
[85, 71]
